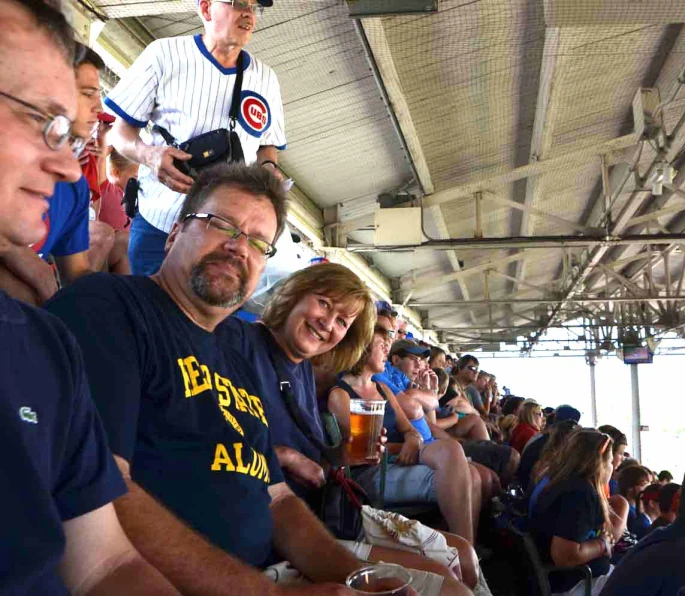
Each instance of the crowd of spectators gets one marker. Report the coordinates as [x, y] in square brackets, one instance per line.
[167, 446]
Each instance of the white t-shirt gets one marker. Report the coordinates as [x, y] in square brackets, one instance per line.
[177, 84]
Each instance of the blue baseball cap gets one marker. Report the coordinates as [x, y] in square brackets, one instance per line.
[410, 347]
[566, 412]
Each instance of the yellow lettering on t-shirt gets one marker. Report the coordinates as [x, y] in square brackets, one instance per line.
[224, 401]
[186, 380]
[257, 409]
[207, 376]
[221, 384]
[239, 401]
[241, 468]
[221, 458]
[259, 468]
[198, 378]
[194, 372]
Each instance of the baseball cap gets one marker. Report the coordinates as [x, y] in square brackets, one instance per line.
[410, 347]
[566, 412]
[385, 305]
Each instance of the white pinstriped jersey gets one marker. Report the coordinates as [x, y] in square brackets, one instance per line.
[177, 84]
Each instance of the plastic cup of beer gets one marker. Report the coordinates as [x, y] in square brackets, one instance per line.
[366, 423]
[382, 579]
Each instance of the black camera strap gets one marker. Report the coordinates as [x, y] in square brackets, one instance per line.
[333, 455]
[237, 90]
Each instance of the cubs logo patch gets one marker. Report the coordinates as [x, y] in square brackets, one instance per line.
[254, 115]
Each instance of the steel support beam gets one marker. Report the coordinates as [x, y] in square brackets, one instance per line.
[579, 300]
[541, 139]
[527, 242]
[635, 418]
[591, 361]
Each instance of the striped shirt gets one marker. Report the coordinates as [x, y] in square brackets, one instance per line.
[177, 84]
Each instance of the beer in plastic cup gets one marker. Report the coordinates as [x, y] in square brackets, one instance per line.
[366, 423]
[383, 579]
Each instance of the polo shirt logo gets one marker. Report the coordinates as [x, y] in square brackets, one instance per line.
[28, 415]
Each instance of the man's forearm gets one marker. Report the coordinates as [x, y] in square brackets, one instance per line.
[133, 577]
[427, 399]
[126, 140]
[298, 534]
[191, 563]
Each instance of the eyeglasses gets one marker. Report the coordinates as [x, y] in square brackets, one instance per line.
[56, 128]
[473, 368]
[242, 5]
[384, 332]
[233, 232]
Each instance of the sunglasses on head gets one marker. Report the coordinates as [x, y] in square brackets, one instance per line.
[383, 332]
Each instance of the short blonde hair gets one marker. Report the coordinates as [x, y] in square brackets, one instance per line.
[337, 283]
[528, 411]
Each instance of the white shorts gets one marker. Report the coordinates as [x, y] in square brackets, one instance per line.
[424, 582]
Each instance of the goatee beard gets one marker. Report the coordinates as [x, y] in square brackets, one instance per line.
[206, 289]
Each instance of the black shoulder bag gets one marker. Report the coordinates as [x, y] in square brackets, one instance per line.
[215, 146]
[342, 498]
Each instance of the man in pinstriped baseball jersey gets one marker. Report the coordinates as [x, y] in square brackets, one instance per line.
[185, 85]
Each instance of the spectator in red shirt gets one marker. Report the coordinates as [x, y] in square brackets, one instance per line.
[530, 423]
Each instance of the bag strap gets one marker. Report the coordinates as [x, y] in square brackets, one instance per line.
[332, 454]
[166, 135]
[237, 90]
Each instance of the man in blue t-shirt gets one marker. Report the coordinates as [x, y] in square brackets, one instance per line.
[60, 533]
[655, 566]
[184, 410]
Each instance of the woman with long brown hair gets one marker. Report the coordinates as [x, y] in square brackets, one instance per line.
[571, 519]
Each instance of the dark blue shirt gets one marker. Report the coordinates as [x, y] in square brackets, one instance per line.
[55, 462]
[638, 524]
[571, 510]
[251, 340]
[184, 409]
[653, 567]
[67, 221]
[529, 457]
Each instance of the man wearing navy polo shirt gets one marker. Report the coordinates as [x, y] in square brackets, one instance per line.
[59, 531]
